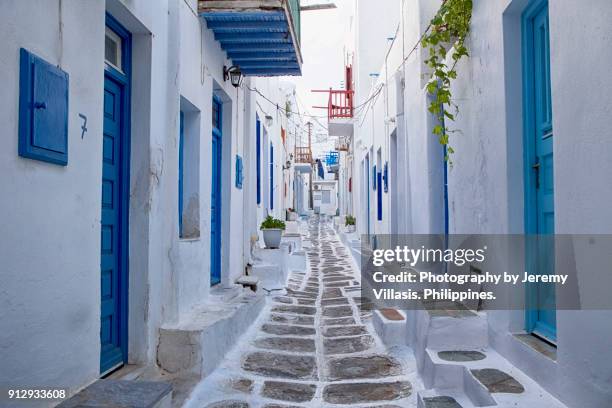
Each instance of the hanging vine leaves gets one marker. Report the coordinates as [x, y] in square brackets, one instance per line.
[448, 30]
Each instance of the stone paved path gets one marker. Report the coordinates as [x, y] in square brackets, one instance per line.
[314, 345]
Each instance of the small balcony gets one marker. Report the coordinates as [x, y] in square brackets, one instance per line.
[340, 110]
[262, 37]
[341, 107]
[332, 159]
[343, 144]
[340, 104]
[303, 155]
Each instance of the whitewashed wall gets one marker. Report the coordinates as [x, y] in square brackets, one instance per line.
[486, 179]
[50, 222]
[50, 243]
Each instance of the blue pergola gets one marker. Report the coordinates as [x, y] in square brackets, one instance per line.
[261, 42]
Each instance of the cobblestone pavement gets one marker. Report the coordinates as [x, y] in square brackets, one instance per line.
[313, 346]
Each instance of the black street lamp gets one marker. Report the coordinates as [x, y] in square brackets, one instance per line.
[234, 74]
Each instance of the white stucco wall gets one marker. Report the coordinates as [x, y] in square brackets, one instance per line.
[50, 222]
[486, 180]
[51, 242]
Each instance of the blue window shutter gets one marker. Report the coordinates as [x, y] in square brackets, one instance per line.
[239, 176]
[258, 154]
[43, 110]
[241, 172]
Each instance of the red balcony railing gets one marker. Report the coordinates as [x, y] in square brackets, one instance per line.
[340, 104]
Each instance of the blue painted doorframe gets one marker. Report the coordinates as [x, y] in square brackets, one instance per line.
[181, 177]
[539, 169]
[115, 210]
[367, 193]
[379, 193]
[216, 188]
[258, 156]
[271, 176]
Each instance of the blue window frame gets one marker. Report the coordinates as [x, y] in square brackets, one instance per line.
[43, 110]
[271, 176]
[258, 157]
[181, 177]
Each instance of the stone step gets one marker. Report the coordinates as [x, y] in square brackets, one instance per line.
[120, 393]
[199, 343]
[391, 326]
[484, 377]
[248, 281]
[443, 398]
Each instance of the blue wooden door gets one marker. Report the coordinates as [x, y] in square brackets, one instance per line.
[215, 200]
[181, 176]
[113, 329]
[367, 193]
[271, 176]
[379, 191]
[540, 213]
[258, 156]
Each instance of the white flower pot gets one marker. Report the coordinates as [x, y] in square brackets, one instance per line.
[272, 237]
[349, 228]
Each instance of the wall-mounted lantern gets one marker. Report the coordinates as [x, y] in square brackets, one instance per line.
[234, 74]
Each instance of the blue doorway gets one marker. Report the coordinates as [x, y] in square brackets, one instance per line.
[215, 199]
[115, 200]
[367, 194]
[539, 170]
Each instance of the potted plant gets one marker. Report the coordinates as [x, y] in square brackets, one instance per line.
[272, 230]
[349, 222]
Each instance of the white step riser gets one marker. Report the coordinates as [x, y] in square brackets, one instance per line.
[391, 332]
[475, 391]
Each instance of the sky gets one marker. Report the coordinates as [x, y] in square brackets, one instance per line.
[325, 34]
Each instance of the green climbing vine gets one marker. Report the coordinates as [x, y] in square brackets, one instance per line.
[448, 31]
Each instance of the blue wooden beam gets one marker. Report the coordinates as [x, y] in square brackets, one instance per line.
[264, 26]
[252, 37]
[258, 47]
[272, 71]
[266, 64]
[278, 15]
[263, 56]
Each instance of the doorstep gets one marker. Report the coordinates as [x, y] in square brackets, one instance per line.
[121, 393]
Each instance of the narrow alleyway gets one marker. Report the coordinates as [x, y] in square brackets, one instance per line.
[314, 345]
